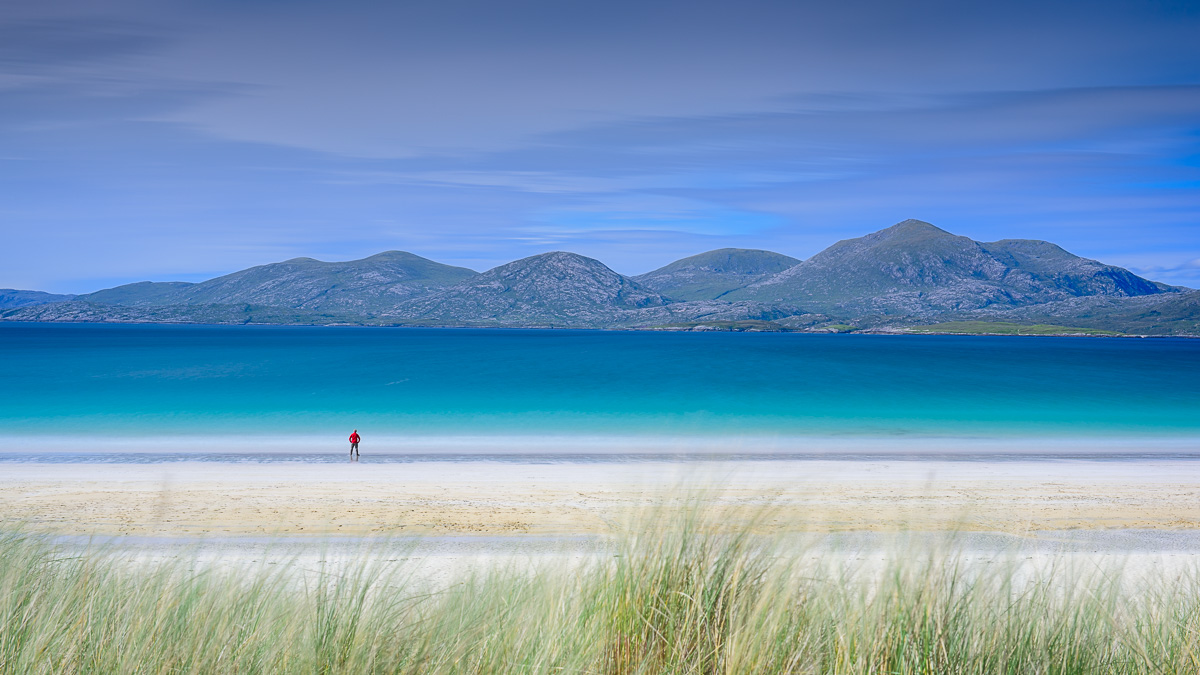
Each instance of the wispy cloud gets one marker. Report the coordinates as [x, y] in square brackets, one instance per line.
[47, 45]
[148, 139]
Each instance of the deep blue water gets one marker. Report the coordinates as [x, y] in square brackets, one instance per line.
[103, 381]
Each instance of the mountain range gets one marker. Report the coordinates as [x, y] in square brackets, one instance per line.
[912, 275]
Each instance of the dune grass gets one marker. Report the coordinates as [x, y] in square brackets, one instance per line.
[689, 598]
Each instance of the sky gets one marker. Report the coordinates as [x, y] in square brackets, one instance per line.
[179, 140]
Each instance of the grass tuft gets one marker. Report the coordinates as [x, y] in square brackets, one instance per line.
[693, 595]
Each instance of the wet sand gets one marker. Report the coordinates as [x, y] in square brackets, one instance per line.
[477, 498]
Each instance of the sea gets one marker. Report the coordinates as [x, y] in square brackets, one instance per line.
[164, 393]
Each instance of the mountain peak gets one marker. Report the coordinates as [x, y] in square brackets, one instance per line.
[555, 263]
[733, 260]
[709, 275]
[559, 256]
[914, 267]
[12, 298]
[369, 285]
[914, 223]
[140, 293]
[387, 256]
[547, 289]
[911, 229]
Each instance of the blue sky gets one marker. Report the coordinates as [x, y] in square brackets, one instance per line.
[182, 140]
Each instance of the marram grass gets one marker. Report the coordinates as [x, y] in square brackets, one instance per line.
[690, 598]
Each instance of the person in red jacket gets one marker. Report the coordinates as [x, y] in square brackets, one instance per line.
[354, 439]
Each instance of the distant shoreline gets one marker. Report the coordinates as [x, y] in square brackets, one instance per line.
[897, 331]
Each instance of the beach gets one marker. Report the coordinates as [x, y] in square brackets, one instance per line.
[565, 498]
[596, 502]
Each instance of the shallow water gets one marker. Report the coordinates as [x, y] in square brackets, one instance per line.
[119, 389]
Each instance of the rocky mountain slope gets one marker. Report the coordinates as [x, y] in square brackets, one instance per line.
[708, 276]
[11, 298]
[915, 270]
[908, 274]
[85, 311]
[364, 286]
[1175, 312]
[142, 293]
[551, 289]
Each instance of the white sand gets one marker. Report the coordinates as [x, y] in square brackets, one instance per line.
[439, 519]
[504, 498]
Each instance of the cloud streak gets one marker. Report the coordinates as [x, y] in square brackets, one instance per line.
[149, 141]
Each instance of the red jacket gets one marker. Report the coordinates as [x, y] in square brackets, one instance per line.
[354, 437]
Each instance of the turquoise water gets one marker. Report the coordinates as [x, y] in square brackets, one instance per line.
[130, 381]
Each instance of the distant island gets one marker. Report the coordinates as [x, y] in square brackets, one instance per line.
[911, 277]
